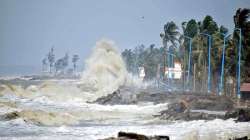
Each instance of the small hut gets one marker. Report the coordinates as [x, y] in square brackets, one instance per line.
[245, 91]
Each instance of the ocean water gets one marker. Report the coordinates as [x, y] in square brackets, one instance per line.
[47, 118]
[60, 109]
[19, 70]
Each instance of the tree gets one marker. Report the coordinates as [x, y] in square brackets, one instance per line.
[199, 57]
[75, 58]
[141, 56]
[44, 62]
[170, 35]
[51, 58]
[151, 61]
[129, 58]
[200, 48]
[62, 63]
[223, 29]
[191, 28]
[65, 60]
[242, 21]
[59, 65]
[209, 26]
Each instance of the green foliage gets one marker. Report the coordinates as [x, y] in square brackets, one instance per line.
[51, 59]
[200, 47]
[129, 58]
[191, 28]
[223, 29]
[140, 56]
[75, 58]
[170, 34]
[242, 21]
[151, 56]
[62, 63]
[209, 25]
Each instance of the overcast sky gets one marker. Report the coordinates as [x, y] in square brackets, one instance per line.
[29, 28]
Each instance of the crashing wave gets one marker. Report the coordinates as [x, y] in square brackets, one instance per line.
[105, 70]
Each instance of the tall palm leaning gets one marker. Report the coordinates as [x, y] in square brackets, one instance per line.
[170, 34]
[199, 58]
[242, 20]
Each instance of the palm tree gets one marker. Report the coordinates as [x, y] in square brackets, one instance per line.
[190, 29]
[61, 64]
[51, 58]
[75, 58]
[170, 34]
[199, 58]
[216, 56]
[242, 20]
[44, 66]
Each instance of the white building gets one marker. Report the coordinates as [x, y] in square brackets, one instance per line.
[141, 72]
[175, 72]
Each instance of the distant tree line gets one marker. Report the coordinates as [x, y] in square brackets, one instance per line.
[59, 66]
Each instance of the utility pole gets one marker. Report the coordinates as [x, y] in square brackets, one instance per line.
[189, 58]
[239, 61]
[222, 65]
[194, 80]
[164, 65]
[209, 62]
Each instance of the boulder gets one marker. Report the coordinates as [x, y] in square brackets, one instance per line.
[240, 114]
[10, 116]
[242, 138]
[135, 136]
[210, 102]
[243, 115]
[120, 96]
[132, 136]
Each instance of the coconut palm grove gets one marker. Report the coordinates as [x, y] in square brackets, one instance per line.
[175, 48]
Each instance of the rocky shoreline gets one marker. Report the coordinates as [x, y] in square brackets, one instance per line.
[181, 106]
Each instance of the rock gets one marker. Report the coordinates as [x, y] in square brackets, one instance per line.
[128, 95]
[135, 136]
[194, 108]
[109, 99]
[241, 114]
[160, 138]
[120, 96]
[231, 114]
[111, 138]
[132, 136]
[198, 107]
[210, 102]
[242, 138]
[40, 117]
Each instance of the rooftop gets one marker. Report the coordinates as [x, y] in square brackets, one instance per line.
[245, 87]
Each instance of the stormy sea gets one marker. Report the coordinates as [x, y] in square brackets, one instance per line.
[66, 108]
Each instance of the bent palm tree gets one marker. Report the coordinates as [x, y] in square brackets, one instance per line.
[170, 34]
